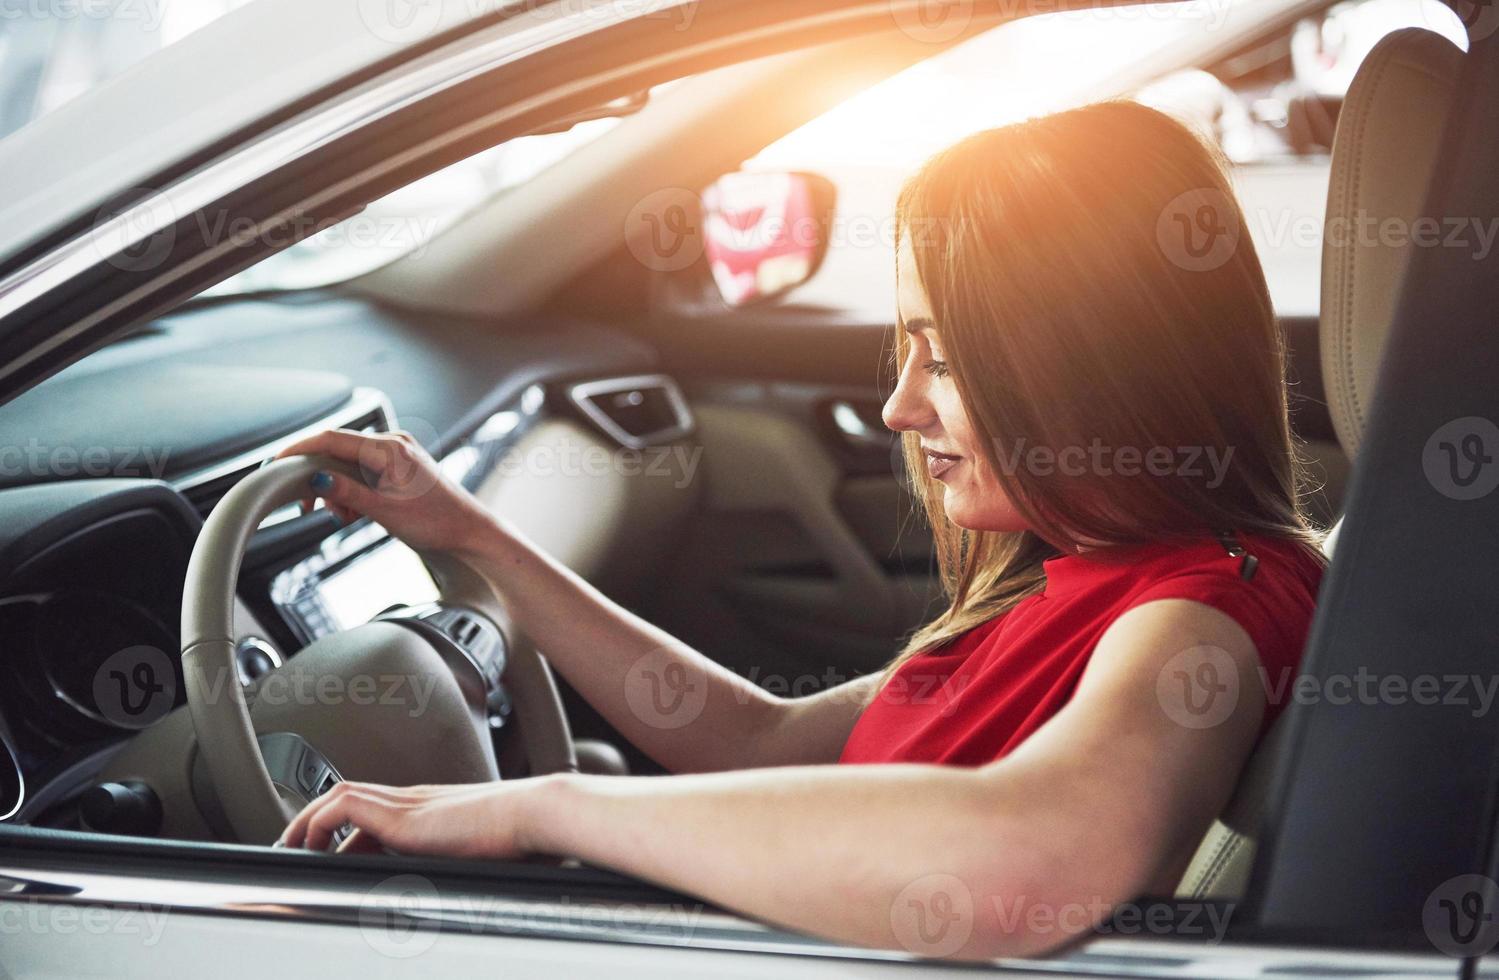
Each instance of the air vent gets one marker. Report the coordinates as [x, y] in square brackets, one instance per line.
[368, 411]
[635, 412]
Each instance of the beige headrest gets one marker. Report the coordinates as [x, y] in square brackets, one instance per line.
[1382, 159]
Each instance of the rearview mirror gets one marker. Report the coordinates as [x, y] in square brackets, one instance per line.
[765, 233]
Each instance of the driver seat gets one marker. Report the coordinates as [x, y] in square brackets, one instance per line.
[1383, 156]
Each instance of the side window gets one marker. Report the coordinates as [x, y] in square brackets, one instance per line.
[1271, 106]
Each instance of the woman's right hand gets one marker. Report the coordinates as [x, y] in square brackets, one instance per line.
[404, 489]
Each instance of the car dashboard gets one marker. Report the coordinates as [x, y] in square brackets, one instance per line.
[132, 447]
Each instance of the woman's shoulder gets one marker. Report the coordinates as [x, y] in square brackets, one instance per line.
[1253, 559]
[1269, 587]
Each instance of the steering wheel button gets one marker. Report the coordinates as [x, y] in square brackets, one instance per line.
[310, 771]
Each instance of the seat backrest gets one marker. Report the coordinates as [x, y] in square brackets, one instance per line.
[1383, 156]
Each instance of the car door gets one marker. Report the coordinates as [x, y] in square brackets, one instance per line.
[807, 562]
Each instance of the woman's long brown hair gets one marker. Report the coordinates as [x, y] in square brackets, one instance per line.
[1085, 296]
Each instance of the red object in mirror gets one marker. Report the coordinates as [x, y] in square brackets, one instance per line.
[764, 233]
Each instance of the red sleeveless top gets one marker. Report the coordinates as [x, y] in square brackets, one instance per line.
[976, 698]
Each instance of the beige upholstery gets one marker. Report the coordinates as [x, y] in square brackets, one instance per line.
[1382, 159]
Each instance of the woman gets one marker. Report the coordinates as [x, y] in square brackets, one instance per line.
[1097, 418]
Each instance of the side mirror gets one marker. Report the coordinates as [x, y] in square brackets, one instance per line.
[765, 233]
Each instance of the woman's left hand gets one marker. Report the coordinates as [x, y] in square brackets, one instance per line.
[476, 820]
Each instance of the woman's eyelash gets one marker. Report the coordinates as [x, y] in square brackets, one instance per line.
[937, 369]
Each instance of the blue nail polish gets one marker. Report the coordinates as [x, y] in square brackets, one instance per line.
[321, 481]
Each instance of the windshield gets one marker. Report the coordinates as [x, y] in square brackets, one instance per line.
[404, 221]
[50, 53]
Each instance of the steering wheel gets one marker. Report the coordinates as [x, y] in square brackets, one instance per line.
[451, 660]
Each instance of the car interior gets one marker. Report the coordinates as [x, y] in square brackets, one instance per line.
[720, 470]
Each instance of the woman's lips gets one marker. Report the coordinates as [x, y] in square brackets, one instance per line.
[939, 463]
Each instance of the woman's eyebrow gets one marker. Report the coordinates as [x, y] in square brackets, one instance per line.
[917, 324]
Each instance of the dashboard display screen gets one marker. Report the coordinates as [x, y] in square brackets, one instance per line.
[391, 574]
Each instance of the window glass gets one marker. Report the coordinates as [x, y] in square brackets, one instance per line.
[51, 52]
[404, 221]
[1271, 107]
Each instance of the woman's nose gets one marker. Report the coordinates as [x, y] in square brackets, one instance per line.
[905, 410]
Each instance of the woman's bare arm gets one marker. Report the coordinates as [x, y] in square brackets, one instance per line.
[1104, 802]
[678, 706]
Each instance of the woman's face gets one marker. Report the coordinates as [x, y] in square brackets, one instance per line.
[926, 402]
